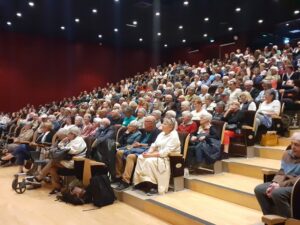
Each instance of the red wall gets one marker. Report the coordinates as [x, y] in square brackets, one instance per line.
[38, 70]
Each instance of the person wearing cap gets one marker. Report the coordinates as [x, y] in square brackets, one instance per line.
[77, 147]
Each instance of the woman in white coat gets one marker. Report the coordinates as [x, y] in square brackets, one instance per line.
[154, 165]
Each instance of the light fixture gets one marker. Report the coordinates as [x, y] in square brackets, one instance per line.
[116, 0]
[157, 14]
[230, 28]
[94, 11]
[206, 19]
[19, 14]
[134, 22]
[287, 24]
[31, 4]
[62, 28]
[260, 21]
[165, 45]
[296, 12]
[8, 23]
[212, 40]
[141, 39]
[204, 35]
[158, 34]
[238, 9]
[100, 44]
[183, 40]
[186, 3]
[77, 20]
[116, 30]
[180, 27]
[99, 35]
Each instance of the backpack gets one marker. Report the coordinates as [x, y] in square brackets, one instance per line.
[100, 191]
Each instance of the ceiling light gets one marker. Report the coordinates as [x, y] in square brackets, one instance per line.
[8, 23]
[180, 27]
[260, 21]
[134, 22]
[287, 24]
[186, 3]
[19, 14]
[141, 39]
[99, 35]
[230, 28]
[165, 45]
[206, 19]
[264, 35]
[238, 9]
[204, 35]
[158, 34]
[77, 20]
[31, 4]
[157, 14]
[94, 11]
[116, 0]
[183, 40]
[296, 12]
[212, 40]
[100, 44]
[116, 30]
[62, 28]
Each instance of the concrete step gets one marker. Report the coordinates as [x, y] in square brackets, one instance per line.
[189, 207]
[226, 186]
[250, 167]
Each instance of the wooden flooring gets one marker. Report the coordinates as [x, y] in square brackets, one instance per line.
[35, 207]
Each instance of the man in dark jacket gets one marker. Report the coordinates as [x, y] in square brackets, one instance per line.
[274, 197]
[149, 135]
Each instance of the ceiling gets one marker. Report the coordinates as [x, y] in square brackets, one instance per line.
[57, 18]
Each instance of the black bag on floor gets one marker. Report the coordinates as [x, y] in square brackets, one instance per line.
[100, 191]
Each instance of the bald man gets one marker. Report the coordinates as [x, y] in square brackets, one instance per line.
[274, 197]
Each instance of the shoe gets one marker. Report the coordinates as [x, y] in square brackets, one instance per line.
[54, 191]
[152, 191]
[123, 185]
[225, 155]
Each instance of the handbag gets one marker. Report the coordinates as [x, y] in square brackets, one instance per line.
[269, 139]
[58, 154]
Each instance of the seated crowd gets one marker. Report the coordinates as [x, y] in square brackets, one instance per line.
[153, 108]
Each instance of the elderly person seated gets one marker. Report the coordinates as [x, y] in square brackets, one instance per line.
[76, 146]
[87, 126]
[268, 108]
[131, 135]
[22, 152]
[248, 85]
[187, 124]
[204, 92]
[267, 85]
[149, 135]
[128, 112]
[198, 109]
[247, 103]
[157, 114]
[115, 117]
[153, 166]
[274, 197]
[209, 103]
[141, 113]
[205, 145]
[78, 122]
[234, 117]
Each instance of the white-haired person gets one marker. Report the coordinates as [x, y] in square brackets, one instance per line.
[153, 166]
[205, 145]
[77, 147]
[247, 103]
[187, 125]
[274, 197]
[204, 92]
[140, 116]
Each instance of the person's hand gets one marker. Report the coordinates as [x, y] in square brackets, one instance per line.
[201, 138]
[146, 154]
[135, 144]
[271, 188]
[193, 138]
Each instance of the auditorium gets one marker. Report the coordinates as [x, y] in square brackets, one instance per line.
[141, 112]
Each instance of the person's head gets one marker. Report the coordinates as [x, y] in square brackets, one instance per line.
[274, 70]
[185, 106]
[133, 126]
[156, 114]
[197, 103]
[232, 84]
[204, 89]
[47, 126]
[235, 106]
[78, 121]
[168, 125]
[245, 97]
[168, 98]
[220, 107]
[73, 132]
[87, 118]
[266, 84]
[248, 85]
[61, 133]
[270, 95]
[208, 99]
[205, 118]
[115, 114]
[295, 144]
[105, 123]
[225, 96]
[170, 114]
[289, 68]
[27, 125]
[186, 117]
[96, 122]
[141, 113]
[128, 111]
[149, 123]
[190, 91]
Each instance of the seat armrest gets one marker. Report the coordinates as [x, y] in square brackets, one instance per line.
[246, 127]
[273, 219]
[276, 117]
[172, 154]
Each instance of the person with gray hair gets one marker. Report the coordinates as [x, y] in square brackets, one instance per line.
[267, 85]
[274, 197]
[141, 113]
[187, 124]
[77, 147]
[248, 86]
[128, 112]
[153, 166]
[157, 115]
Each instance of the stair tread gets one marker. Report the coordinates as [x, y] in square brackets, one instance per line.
[209, 208]
[230, 180]
[277, 147]
[256, 161]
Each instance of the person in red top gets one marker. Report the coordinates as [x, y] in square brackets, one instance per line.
[187, 124]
